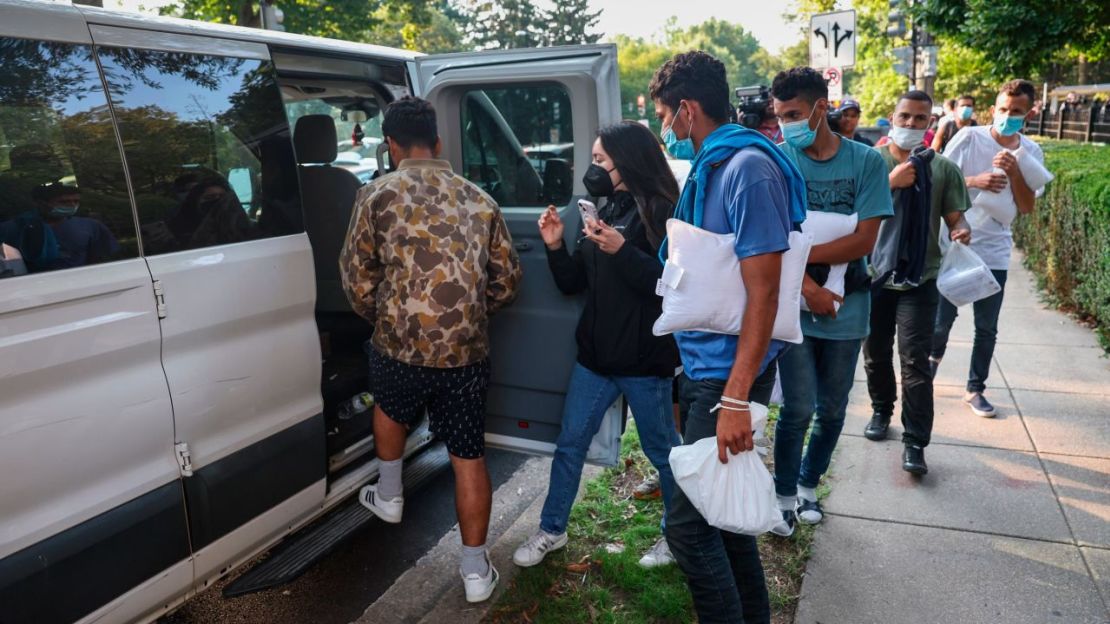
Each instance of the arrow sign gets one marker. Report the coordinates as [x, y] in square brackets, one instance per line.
[832, 40]
[822, 35]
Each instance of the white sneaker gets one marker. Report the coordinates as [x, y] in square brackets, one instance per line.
[536, 548]
[659, 555]
[480, 588]
[388, 510]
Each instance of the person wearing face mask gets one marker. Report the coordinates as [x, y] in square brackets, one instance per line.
[963, 116]
[926, 189]
[843, 177]
[615, 264]
[741, 185]
[81, 240]
[986, 156]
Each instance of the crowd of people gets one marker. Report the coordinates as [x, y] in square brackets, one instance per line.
[431, 302]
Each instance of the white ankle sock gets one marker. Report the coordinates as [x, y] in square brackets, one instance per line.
[787, 503]
[809, 494]
[474, 560]
[389, 479]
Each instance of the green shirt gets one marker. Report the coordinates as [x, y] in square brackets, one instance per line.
[949, 195]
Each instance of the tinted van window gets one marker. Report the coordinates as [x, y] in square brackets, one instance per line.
[63, 195]
[518, 144]
[207, 146]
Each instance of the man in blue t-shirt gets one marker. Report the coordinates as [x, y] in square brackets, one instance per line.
[844, 177]
[739, 184]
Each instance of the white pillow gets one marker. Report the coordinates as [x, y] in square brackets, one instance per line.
[703, 291]
[825, 228]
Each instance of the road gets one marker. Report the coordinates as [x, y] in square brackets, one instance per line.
[341, 586]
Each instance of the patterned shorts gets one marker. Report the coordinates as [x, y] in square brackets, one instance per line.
[454, 398]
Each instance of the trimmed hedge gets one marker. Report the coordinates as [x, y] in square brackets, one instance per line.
[1067, 238]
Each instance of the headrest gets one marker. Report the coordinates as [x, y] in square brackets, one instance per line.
[315, 140]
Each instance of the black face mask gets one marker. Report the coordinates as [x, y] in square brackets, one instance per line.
[597, 181]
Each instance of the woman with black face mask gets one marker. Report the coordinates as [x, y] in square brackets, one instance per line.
[616, 264]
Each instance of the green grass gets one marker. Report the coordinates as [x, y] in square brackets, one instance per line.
[584, 583]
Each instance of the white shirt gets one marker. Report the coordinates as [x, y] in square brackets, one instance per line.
[973, 150]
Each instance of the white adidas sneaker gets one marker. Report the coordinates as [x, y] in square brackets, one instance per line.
[536, 548]
[387, 510]
[480, 588]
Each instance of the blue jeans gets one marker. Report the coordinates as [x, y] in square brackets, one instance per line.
[816, 377]
[986, 333]
[723, 569]
[588, 397]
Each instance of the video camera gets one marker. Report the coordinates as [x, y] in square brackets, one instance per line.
[751, 106]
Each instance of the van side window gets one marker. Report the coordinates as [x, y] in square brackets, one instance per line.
[207, 146]
[518, 144]
[63, 195]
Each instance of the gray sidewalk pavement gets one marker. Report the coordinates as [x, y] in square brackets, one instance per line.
[1012, 523]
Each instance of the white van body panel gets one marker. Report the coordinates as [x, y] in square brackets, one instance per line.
[240, 346]
[79, 356]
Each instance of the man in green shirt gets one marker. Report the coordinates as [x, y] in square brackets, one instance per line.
[907, 302]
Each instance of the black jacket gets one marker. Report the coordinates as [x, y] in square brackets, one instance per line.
[614, 334]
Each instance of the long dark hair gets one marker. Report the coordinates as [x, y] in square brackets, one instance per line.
[639, 160]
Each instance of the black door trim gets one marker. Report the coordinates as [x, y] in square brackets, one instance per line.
[228, 493]
[73, 573]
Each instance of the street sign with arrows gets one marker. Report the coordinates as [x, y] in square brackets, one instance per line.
[832, 40]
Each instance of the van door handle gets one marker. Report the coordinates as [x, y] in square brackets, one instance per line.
[523, 246]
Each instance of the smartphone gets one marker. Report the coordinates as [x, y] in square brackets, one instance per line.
[588, 210]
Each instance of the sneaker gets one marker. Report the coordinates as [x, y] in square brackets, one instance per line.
[388, 510]
[809, 512]
[536, 548]
[659, 555]
[876, 429]
[913, 460]
[979, 404]
[786, 527]
[480, 588]
[648, 489]
[934, 364]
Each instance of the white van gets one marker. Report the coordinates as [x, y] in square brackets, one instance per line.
[173, 360]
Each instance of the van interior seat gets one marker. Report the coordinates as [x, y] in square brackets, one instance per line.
[328, 194]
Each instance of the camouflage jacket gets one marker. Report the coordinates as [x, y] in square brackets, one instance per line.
[428, 259]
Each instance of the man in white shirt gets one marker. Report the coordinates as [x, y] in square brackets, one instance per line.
[986, 156]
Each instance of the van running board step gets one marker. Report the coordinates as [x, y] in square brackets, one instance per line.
[297, 553]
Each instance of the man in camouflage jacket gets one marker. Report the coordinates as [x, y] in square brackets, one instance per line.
[428, 259]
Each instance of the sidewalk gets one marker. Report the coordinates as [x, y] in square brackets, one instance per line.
[1012, 523]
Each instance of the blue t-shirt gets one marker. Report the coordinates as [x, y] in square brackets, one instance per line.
[83, 241]
[745, 195]
[852, 181]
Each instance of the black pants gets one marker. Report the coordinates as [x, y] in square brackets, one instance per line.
[986, 333]
[912, 313]
[723, 570]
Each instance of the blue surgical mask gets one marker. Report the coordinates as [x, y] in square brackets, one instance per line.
[966, 112]
[682, 149]
[64, 211]
[1007, 125]
[798, 133]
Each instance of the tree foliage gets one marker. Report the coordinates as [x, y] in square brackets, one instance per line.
[1019, 38]
[570, 22]
[352, 20]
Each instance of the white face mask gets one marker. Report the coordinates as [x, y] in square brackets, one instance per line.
[907, 138]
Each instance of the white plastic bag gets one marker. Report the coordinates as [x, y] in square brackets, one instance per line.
[999, 206]
[702, 288]
[964, 278]
[738, 496]
[825, 228]
[1034, 172]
